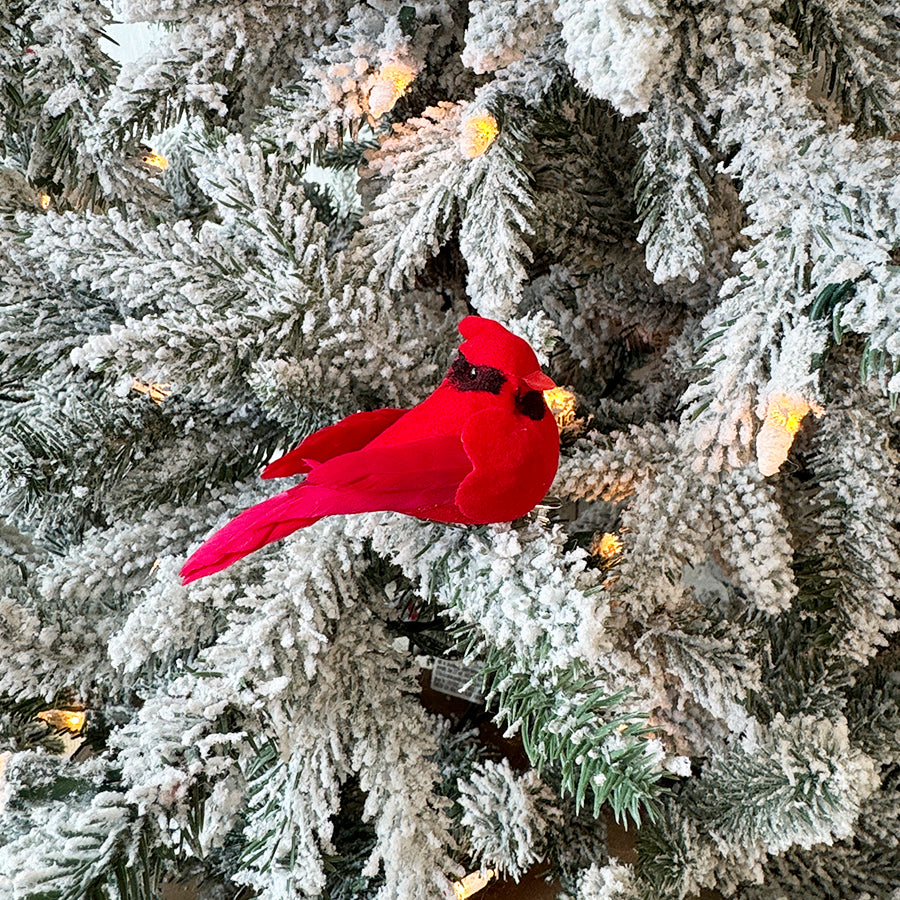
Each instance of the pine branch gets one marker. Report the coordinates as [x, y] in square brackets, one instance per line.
[714, 666]
[616, 52]
[284, 834]
[52, 93]
[524, 608]
[350, 155]
[506, 816]
[581, 166]
[22, 730]
[867, 863]
[568, 727]
[220, 81]
[76, 458]
[677, 522]
[416, 212]
[86, 839]
[671, 189]
[498, 208]
[760, 339]
[861, 571]
[499, 35]
[873, 711]
[853, 43]
[800, 784]
[607, 335]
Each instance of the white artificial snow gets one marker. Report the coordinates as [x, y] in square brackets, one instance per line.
[501, 33]
[614, 881]
[615, 48]
[502, 817]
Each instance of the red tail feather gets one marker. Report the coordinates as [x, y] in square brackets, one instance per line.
[418, 478]
[262, 524]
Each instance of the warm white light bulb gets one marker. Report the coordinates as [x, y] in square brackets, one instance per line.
[477, 134]
[155, 161]
[784, 416]
[389, 86]
[472, 883]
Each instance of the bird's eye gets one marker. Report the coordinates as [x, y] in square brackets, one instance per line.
[466, 377]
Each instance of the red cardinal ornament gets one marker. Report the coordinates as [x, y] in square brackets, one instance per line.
[482, 448]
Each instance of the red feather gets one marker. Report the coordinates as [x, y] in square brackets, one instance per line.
[499, 493]
[410, 478]
[262, 524]
[352, 433]
[416, 478]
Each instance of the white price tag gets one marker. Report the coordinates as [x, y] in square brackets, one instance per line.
[457, 680]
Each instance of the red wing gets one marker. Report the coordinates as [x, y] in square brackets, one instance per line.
[412, 478]
[351, 433]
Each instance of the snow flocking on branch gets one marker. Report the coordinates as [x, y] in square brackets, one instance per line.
[502, 816]
[305, 693]
[818, 216]
[616, 48]
[264, 725]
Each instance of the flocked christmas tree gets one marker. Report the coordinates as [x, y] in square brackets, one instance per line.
[690, 209]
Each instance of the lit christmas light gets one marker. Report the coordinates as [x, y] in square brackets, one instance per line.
[477, 134]
[44, 201]
[64, 719]
[389, 86]
[155, 391]
[155, 161]
[784, 415]
[562, 404]
[472, 883]
[607, 546]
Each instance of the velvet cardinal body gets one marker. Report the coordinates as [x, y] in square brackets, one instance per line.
[482, 448]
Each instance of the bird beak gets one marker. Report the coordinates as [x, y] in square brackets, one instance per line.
[538, 381]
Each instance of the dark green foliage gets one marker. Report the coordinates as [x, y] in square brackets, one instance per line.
[663, 856]
[855, 43]
[743, 794]
[321, 198]
[151, 111]
[874, 360]
[872, 707]
[575, 843]
[868, 865]
[421, 619]
[828, 304]
[799, 673]
[354, 841]
[39, 327]
[341, 224]
[788, 790]
[569, 727]
[580, 172]
[349, 155]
